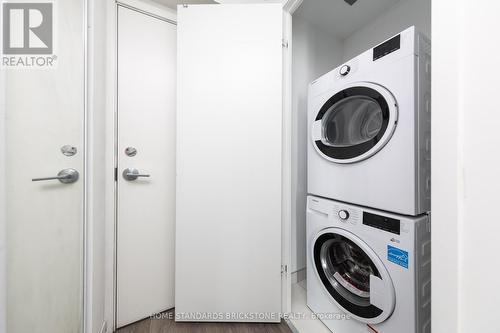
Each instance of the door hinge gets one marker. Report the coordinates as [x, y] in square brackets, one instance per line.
[284, 43]
[284, 269]
[116, 174]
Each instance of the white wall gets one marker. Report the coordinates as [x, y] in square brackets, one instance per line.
[96, 166]
[314, 53]
[446, 171]
[399, 17]
[3, 222]
[466, 157]
[109, 172]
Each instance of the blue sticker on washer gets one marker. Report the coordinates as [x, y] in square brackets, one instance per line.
[397, 256]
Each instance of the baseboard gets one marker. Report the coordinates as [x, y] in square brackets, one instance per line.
[292, 326]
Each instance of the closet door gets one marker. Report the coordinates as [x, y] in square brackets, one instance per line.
[228, 227]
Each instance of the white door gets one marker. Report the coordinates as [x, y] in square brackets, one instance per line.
[146, 146]
[228, 233]
[44, 112]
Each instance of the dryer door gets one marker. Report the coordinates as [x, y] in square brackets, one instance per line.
[355, 123]
[353, 275]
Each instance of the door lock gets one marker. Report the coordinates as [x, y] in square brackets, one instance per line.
[131, 174]
[130, 151]
[68, 150]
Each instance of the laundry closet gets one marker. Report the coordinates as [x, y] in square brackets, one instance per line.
[324, 36]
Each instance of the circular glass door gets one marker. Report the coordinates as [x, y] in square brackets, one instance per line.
[345, 265]
[355, 123]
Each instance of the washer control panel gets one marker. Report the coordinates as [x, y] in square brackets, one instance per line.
[346, 215]
[382, 222]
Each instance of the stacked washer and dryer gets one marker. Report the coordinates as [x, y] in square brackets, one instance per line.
[368, 222]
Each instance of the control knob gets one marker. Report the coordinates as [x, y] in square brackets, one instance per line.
[344, 70]
[343, 214]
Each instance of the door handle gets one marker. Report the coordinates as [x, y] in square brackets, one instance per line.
[65, 176]
[131, 174]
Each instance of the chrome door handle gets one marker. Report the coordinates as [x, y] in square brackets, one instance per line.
[131, 174]
[66, 176]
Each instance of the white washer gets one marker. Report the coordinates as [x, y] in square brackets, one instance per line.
[369, 128]
[368, 271]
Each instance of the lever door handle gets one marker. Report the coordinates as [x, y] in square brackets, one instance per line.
[137, 175]
[131, 174]
[66, 176]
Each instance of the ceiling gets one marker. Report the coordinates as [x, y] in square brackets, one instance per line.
[333, 16]
[174, 3]
[339, 18]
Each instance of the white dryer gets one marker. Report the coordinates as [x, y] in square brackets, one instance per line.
[367, 270]
[369, 128]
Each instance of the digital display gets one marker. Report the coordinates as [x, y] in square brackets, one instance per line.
[387, 47]
[382, 223]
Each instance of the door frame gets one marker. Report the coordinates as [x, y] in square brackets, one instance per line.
[111, 150]
[288, 204]
[87, 241]
[447, 194]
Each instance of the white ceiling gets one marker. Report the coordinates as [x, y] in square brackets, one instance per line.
[173, 3]
[339, 18]
[332, 16]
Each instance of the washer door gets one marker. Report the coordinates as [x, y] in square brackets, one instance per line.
[353, 275]
[355, 123]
